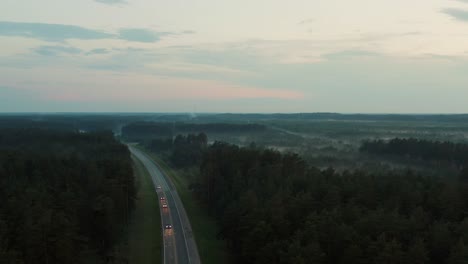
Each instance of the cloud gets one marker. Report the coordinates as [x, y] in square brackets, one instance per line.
[340, 83]
[142, 35]
[456, 13]
[412, 33]
[348, 54]
[60, 32]
[111, 2]
[306, 21]
[56, 50]
[129, 59]
[188, 32]
[148, 35]
[50, 32]
[98, 51]
[146, 88]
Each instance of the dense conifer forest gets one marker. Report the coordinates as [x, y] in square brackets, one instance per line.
[425, 150]
[274, 208]
[66, 196]
[144, 130]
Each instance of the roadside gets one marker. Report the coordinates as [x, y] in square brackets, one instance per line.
[211, 249]
[144, 231]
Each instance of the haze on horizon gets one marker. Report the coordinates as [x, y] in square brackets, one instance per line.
[368, 56]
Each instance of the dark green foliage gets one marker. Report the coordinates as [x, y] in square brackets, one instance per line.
[218, 128]
[273, 208]
[183, 151]
[142, 131]
[456, 153]
[161, 145]
[65, 196]
[187, 150]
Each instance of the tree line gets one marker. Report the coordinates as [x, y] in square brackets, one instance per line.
[145, 130]
[275, 208]
[419, 149]
[182, 152]
[65, 196]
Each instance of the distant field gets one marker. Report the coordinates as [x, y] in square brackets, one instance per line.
[346, 129]
[326, 140]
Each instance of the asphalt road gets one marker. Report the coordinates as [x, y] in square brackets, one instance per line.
[179, 243]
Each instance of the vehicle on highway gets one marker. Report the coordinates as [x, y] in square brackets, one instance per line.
[164, 205]
[168, 227]
[162, 198]
[158, 187]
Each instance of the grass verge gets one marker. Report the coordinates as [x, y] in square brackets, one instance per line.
[144, 231]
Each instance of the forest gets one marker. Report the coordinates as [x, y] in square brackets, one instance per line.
[150, 130]
[66, 196]
[275, 208]
[427, 150]
[356, 193]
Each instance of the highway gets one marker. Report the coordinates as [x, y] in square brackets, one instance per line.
[179, 244]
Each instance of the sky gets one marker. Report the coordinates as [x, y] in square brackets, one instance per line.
[360, 56]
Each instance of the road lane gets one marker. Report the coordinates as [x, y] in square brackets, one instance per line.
[179, 243]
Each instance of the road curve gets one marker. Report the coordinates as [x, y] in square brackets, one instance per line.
[179, 244]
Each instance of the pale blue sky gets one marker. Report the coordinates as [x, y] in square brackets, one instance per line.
[372, 56]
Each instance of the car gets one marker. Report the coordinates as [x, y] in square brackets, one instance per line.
[162, 198]
[158, 187]
[168, 226]
[164, 205]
